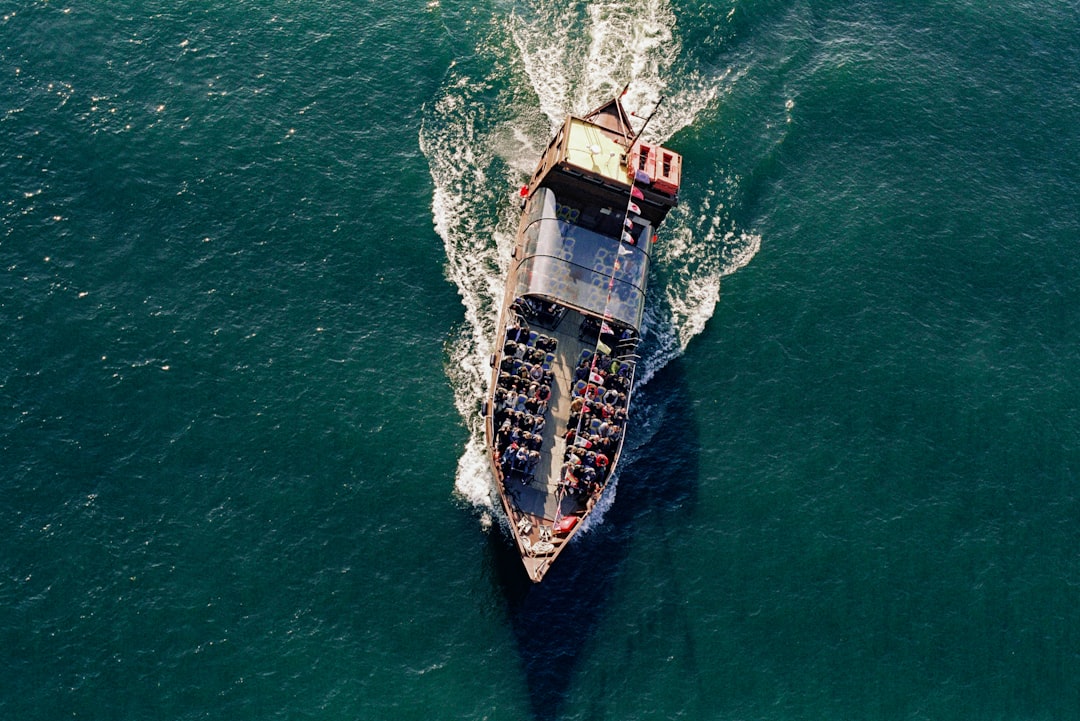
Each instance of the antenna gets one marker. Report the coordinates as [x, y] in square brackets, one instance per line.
[655, 108]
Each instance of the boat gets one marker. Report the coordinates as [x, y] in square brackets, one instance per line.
[565, 357]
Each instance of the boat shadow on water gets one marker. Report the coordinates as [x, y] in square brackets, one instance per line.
[554, 621]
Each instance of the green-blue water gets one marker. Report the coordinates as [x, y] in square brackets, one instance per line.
[251, 254]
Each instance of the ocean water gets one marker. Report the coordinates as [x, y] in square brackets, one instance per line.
[251, 258]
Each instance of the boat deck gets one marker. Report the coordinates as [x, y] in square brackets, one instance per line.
[539, 498]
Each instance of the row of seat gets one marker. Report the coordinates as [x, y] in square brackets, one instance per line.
[521, 400]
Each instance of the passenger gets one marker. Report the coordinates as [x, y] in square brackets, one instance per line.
[521, 458]
[508, 456]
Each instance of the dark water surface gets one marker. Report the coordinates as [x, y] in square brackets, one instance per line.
[251, 254]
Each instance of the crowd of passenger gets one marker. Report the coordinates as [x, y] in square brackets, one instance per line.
[597, 416]
[598, 411]
[521, 401]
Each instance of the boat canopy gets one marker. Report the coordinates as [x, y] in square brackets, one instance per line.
[585, 269]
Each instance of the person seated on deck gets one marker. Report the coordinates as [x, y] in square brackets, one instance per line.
[588, 475]
[502, 436]
[507, 457]
[521, 458]
[581, 373]
[611, 396]
[616, 383]
[574, 421]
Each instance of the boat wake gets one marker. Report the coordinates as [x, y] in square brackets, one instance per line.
[486, 130]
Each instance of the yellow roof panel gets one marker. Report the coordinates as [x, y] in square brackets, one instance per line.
[590, 148]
